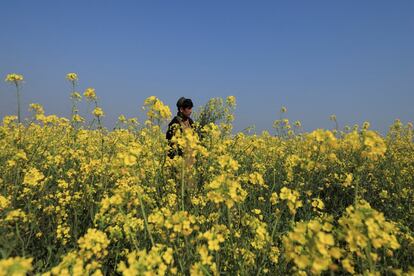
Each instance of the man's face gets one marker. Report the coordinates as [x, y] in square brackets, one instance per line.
[186, 111]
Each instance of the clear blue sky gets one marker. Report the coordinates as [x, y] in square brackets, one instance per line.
[354, 59]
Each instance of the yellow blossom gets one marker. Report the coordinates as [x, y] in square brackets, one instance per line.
[16, 266]
[90, 94]
[98, 112]
[14, 78]
[72, 76]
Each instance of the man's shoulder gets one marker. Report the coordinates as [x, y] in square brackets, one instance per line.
[174, 121]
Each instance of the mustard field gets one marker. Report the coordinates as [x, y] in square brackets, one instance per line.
[79, 199]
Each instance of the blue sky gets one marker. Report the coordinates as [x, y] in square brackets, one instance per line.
[354, 59]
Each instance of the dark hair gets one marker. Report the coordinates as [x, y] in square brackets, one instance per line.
[184, 103]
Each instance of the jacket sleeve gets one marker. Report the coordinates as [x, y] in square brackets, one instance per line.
[170, 132]
[171, 129]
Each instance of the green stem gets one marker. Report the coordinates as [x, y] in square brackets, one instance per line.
[180, 263]
[274, 180]
[356, 191]
[21, 240]
[182, 185]
[74, 107]
[368, 254]
[18, 103]
[205, 270]
[145, 218]
[271, 241]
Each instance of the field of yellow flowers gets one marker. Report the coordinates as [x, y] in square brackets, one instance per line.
[79, 199]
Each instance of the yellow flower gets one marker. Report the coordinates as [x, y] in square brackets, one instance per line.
[4, 203]
[37, 108]
[231, 101]
[204, 256]
[16, 266]
[130, 160]
[122, 119]
[14, 78]
[168, 256]
[98, 112]
[256, 178]
[90, 94]
[274, 199]
[16, 215]
[348, 265]
[319, 265]
[335, 252]
[156, 109]
[197, 270]
[348, 180]
[362, 225]
[310, 246]
[326, 238]
[257, 211]
[93, 243]
[77, 118]
[292, 198]
[375, 146]
[302, 261]
[33, 177]
[317, 204]
[72, 77]
[76, 96]
[148, 263]
[274, 254]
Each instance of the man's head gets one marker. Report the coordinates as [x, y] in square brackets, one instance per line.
[185, 106]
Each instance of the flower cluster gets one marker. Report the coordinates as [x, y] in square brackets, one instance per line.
[312, 246]
[14, 78]
[16, 266]
[156, 109]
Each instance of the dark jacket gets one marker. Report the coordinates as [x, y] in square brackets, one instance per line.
[173, 127]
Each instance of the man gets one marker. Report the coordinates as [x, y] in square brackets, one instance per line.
[179, 122]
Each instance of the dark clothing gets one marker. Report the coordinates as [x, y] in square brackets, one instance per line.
[176, 124]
